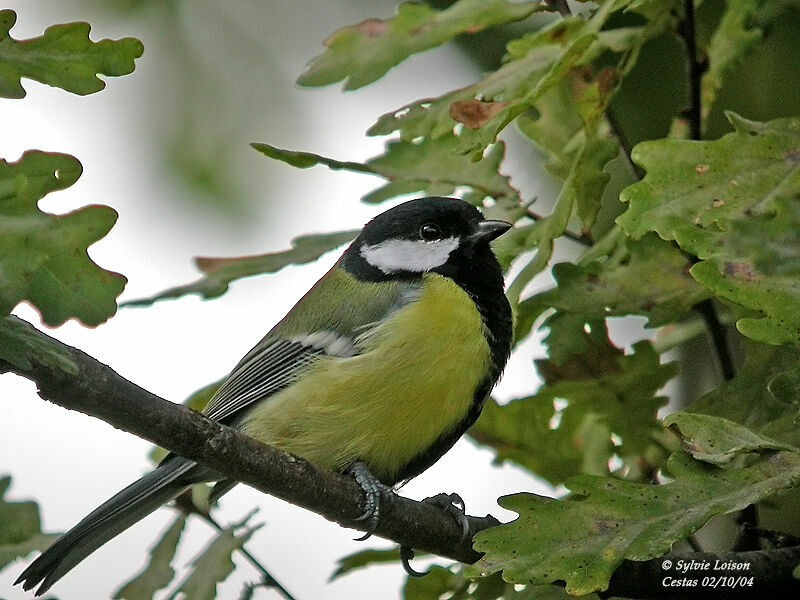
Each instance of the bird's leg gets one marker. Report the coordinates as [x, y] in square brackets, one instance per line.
[373, 491]
[454, 506]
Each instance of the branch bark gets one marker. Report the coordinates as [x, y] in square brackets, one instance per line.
[77, 381]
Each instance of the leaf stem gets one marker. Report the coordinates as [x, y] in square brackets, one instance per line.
[624, 143]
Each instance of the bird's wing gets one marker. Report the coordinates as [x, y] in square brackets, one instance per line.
[315, 327]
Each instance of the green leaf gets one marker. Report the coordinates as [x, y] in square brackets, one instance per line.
[583, 539]
[572, 335]
[485, 108]
[705, 184]
[438, 581]
[364, 558]
[220, 272]
[764, 396]
[754, 262]
[364, 52]
[450, 583]
[36, 543]
[214, 564]
[589, 403]
[635, 277]
[433, 167]
[20, 340]
[63, 57]
[731, 41]
[718, 441]
[43, 257]
[158, 573]
[555, 127]
[436, 168]
[547, 229]
[20, 528]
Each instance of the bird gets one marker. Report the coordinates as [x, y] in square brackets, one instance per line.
[376, 371]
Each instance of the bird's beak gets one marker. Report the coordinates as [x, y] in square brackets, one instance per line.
[486, 231]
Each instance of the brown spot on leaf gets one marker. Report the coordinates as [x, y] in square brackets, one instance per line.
[793, 155]
[475, 113]
[740, 270]
[606, 80]
[372, 27]
[558, 33]
[209, 265]
[701, 169]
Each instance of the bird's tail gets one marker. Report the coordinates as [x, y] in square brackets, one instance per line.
[108, 520]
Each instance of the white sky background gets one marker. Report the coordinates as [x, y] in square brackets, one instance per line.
[248, 54]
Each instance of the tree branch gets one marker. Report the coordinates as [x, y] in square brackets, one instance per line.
[76, 381]
[96, 390]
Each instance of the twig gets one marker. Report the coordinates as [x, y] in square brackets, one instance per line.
[268, 579]
[624, 143]
[694, 72]
[719, 337]
[561, 6]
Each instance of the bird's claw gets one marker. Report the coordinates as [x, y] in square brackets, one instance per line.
[453, 505]
[406, 554]
[373, 490]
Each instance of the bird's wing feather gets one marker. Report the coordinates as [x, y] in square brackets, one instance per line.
[315, 327]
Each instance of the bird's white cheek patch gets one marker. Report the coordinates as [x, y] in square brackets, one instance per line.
[416, 256]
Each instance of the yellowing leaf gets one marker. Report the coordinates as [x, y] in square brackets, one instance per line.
[220, 272]
[363, 52]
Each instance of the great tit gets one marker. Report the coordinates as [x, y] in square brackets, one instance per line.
[379, 368]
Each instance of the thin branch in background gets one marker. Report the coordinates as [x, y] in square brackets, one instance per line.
[561, 6]
[694, 544]
[719, 337]
[267, 579]
[625, 144]
[748, 518]
[694, 72]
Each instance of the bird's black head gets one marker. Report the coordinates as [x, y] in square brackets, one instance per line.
[438, 235]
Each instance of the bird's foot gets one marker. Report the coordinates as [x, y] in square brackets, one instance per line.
[374, 491]
[454, 506]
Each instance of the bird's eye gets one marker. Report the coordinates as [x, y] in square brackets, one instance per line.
[430, 232]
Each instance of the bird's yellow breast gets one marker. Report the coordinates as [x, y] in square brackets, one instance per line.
[413, 381]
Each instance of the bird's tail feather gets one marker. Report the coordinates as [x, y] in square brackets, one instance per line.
[108, 520]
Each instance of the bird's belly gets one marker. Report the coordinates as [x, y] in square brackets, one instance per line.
[414, 381]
